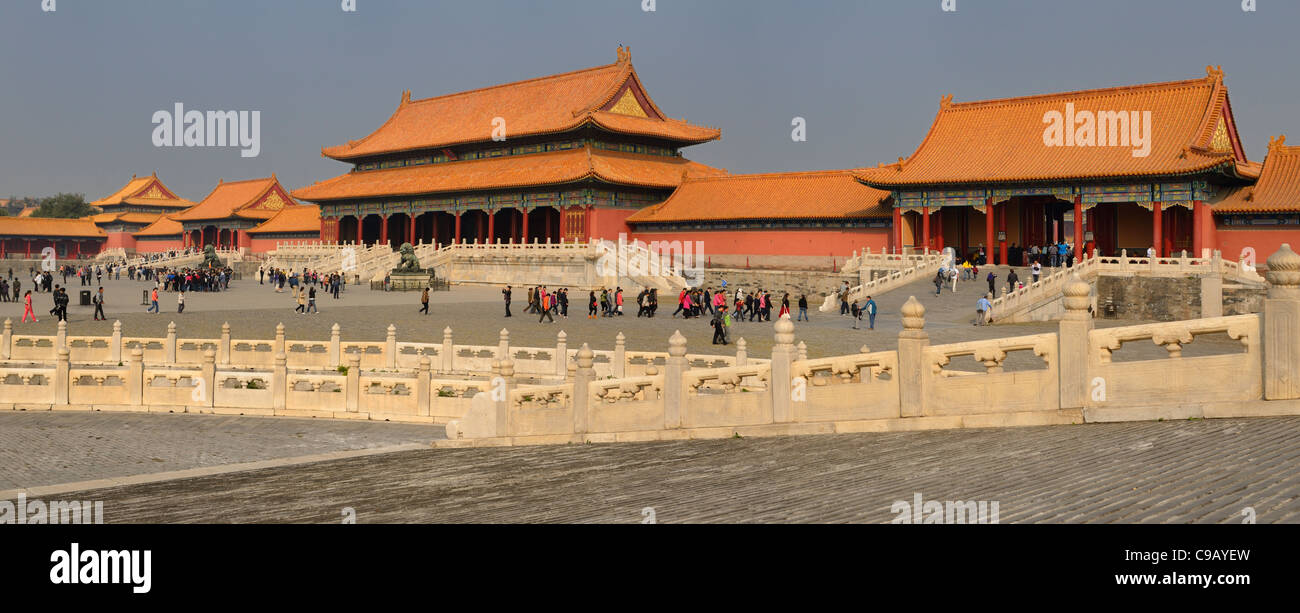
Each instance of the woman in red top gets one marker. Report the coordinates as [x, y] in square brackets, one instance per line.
[27, 307]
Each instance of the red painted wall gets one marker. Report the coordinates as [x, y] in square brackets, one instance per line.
[119, 239]
[606, 224]
[1265, 241]
[829, 242]
[154, 246]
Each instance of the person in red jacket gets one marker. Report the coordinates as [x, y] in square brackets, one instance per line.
[27, 307]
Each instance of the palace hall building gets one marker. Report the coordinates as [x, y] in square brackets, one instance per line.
[1135, 167]
[227, 216]
[140, 203]
[568, 156]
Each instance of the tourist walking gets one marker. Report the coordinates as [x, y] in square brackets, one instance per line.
[992, 279]
[870, 308]
[311, 300]
[98, 299]
[803, 308]
[505, 294]
[1012, 281]
[938, 282]
[544, 302]
[180, 302]
[1036, 270]
[983, 311]
[153, 301]
[27, 308]
[424, 302]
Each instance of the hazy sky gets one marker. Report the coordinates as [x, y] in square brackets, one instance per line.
[78, 86]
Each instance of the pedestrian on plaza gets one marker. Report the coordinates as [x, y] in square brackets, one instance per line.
[857, 314]
[544, 301]
[992, 279]
[563, 297]
[27, 308]
[1012, 280]
[302, 303]
[1036, 270]
[870, 308]
[803, 308]
[719, 333]
[938, 282]
[983, 311]
[98, 299]
[785, 306]
[591, 305]
[153, 301]
[424, 301]
[505, 294]
[180, 302]
[311, 300]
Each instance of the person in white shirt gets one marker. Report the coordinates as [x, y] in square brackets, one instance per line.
[1151, 252]
[1037, 270]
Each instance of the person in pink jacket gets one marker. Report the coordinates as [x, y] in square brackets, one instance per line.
[27, 307]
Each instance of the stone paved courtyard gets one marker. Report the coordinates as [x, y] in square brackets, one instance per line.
[1175, 472]
[475, 314]
[50, 448]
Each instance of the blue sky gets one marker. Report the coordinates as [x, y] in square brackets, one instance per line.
[78, 86]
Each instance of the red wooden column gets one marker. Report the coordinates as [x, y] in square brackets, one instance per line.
[492, 226]
[1078, 228]
[360, 224]
[988, 229]
[3, 243]
[1002, 227]
[524, 233]
[78, 243]
[383, 230]
[925, 229]
[457, 226]
[586, 224]
[434, 228]
[1157, 230]
[410, 236]
[898, 230]
[938, 236]
[1198, 228]
[29, 248]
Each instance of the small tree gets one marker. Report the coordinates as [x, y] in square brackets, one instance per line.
[66, 206]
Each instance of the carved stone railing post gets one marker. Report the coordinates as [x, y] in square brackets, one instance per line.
[1212, 288]
[742, 353]
[354, 383]
[277, 347]
[674, 392]
[6, 341]
[783, 356]
[620, 356]
[135, 379]
[501, 388]
[208, 376]
[912, 374]
[1072, 339]
[390, 347]
[802, 353]
[223, 346]
[336, 348]
[1282, 326]
[448, 351]
[61, 378]
[423, 383]
[582, 379]
[279, 382]
[561, 357]
[169, 344]
[503, 344]
[61, 336]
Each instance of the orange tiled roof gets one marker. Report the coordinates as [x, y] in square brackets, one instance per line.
[143, 191]
[547, 105]
[125, 217]
[1278, 188]
[251, 199]
[165, 226]
[48, 226]
[549, 168]
[305, 218]
[831, 194]
[1001, 141]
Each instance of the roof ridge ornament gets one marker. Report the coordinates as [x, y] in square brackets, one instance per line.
[945, 101]
[1214, 73]
[406, 97]
[1277, 143]
[624, 54]
[901, 163]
